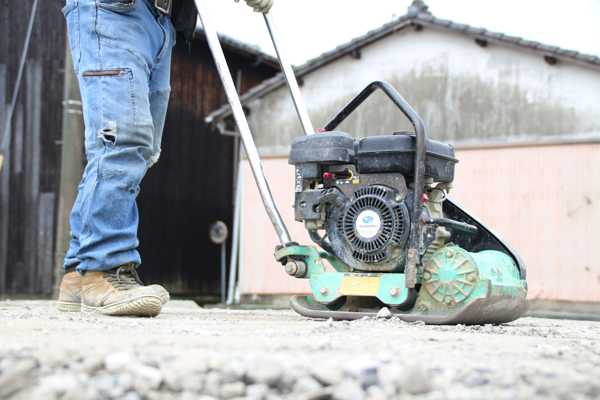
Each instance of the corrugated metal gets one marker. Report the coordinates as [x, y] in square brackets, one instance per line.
[259, 272]
[30, 175]
[544, 200]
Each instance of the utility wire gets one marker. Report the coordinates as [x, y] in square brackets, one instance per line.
[7, 130]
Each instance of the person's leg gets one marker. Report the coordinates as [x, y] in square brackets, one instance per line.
[117, 47]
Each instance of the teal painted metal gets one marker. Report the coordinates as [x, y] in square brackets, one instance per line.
[451, 280]
[389, 288]
[337, 264]
[308, 254]
[454, 277]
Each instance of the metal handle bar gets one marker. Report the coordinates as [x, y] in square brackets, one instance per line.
[450, 223]
[410, 279]
[240, 120]
[289, 75]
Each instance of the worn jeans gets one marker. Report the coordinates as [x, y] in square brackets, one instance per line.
[122, 57]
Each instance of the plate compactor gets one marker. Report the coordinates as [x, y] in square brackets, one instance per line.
[379, 209]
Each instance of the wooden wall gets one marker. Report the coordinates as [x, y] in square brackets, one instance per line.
[189, 188]
[30, 175]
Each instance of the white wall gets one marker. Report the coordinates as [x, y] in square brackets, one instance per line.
[463, 92]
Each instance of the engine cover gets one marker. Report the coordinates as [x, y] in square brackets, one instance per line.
[370, 231]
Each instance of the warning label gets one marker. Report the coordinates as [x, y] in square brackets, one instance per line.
[360, 284]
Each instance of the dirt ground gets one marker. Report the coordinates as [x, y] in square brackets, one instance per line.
[188, 352]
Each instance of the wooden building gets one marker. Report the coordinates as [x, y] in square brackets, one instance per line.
[29, 181]
[190, 188]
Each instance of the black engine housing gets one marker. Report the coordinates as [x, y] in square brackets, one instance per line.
[356, 191]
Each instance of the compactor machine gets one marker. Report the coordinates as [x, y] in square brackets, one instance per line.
[379, 212]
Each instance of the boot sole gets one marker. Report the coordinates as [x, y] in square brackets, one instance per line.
[143, 306]
[66, 306]
[164, 297]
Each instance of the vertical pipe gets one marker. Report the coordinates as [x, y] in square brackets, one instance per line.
[290, 77]
[240, 119]
[236, 139]
[236, 233]
[223, 273]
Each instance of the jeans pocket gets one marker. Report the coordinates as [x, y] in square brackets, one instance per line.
[117, 5]
[71, 13]
[116, 89]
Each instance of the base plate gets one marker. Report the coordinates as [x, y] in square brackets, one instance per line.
[487, 310]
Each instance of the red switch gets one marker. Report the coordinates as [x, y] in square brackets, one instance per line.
[425, 197]
[327, 175]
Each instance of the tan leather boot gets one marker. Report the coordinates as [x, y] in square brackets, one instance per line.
[161, 292]
[69, 296]
[157, 289]
[118, 291]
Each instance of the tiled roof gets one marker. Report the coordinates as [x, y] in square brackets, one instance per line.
[420, 18]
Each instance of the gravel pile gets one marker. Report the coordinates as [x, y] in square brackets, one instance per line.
[192, 353]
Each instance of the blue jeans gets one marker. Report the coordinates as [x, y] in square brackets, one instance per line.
[122, 57]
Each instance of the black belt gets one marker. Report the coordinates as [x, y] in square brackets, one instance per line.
[164, 6]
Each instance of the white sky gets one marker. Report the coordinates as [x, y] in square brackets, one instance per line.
[309, 28]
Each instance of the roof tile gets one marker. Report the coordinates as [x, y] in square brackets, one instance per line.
[546, 48]
[458, 27]
[527, 43]
[475, 31]
[442, 22]
[566, 53]
[511, 39]
[425, 17]
[586, 57]
[494, 35]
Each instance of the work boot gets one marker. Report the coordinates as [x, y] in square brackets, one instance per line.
[69, 296]
[118, 291]
[157, 289]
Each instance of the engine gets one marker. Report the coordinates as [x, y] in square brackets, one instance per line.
[354, 196]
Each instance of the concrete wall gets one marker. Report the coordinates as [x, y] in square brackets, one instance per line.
[464, 93]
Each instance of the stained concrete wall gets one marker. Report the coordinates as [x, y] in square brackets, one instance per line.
[463, 92]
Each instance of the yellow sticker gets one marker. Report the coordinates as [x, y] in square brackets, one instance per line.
[360, 284]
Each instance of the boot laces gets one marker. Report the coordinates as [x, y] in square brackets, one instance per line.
[124, 277]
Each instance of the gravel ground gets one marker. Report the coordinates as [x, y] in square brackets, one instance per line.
[188, 352]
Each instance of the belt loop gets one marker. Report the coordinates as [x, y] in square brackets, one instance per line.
[164, 6]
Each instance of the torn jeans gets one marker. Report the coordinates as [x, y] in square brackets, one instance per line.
[122, 56]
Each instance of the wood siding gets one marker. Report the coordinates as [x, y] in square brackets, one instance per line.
[544, 200]
[189, 188]
[30, 176]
